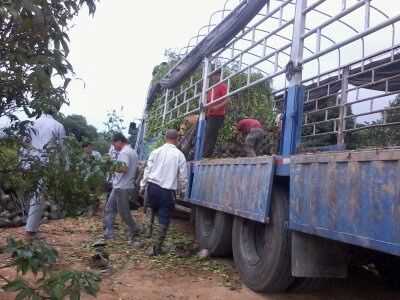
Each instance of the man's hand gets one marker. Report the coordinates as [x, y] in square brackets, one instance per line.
[142, 191]
[119, 167]
[181, 195]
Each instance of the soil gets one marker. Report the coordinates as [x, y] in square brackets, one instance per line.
[178, 275]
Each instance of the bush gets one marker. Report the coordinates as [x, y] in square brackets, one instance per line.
[38, 258]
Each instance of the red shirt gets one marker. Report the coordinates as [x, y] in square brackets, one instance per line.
[246, 125]
[216, 93]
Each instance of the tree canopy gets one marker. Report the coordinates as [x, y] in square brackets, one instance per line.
[34, 70]
[78, 126]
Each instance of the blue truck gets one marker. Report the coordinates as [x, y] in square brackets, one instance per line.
[331, 194]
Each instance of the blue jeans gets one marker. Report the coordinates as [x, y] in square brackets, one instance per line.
[161, 201]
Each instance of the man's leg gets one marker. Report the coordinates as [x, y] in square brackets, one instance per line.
[260, 136]
[213, 125]
[125, 212]
[167, 204]
[110, 210]
[35, 214]
[249, 144]
[153, 201]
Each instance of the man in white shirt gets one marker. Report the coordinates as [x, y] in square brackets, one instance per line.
[123, 185]
[45, 129]
[165, 173]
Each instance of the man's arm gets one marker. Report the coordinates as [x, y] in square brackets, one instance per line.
[147, 169]
[221, 104]
[182, 175]
[121, 164]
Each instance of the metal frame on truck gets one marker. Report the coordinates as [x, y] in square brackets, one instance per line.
[334, 71]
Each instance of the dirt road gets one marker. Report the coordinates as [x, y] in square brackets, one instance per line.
[179, 275]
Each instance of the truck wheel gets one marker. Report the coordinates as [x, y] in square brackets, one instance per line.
[388, 268]
[262, 251]
[213, 231]
[304, 285]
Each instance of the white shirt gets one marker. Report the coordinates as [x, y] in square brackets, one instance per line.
[112, 152]
[44, 130]
[126, 180]
[96, 154]
[165, 167]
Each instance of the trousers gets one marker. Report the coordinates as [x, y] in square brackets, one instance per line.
[213, 126]
[36, 209]
[161, 201]
[118, 202]
[253, 141]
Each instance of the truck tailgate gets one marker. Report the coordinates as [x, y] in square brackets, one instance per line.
[240, 186]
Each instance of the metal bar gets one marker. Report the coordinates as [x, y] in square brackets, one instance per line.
[273, 12]
[378, 53]
[342, 107]
[165, 106]
[367, 14]
[202, 117]
[353, 38]
[334, 18]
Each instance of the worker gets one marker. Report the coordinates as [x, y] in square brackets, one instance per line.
[90, 152]
[164, 175]
[187, 136]
[123, 184]
[215, 114]
[44, 131]
[253, 133]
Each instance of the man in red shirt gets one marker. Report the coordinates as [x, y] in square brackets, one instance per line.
[215, 114]
[254, 135]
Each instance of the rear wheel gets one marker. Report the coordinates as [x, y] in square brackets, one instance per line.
[304, 285]
[262, 251]
[213, 231]
[388, 267]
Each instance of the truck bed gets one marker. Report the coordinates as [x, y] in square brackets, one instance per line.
[353, 197]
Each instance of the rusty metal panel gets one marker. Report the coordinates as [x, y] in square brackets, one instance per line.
[241, 186]
[353, 197]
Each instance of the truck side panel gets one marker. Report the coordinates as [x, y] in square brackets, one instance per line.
[353, 197]
[241, 187]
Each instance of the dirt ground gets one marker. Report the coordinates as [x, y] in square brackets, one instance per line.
[178, 275]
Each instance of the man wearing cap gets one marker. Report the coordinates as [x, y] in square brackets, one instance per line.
[164, 175]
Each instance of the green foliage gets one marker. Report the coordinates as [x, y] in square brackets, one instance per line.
[39, 258]
[71, 179]
[255, 102]
[77, 125]
[36, 257]
[12, 177]
[114, 123]
[34, 49]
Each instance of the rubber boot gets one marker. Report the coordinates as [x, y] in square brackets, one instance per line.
[149, 224]
[158, 241]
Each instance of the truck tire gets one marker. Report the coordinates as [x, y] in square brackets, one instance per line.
[389, 269]
[262, 251]
[305, 285]
[213, 231]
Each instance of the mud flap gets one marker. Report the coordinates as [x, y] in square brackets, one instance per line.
[316, 257]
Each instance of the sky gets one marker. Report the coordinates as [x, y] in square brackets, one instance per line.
[114, 52]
